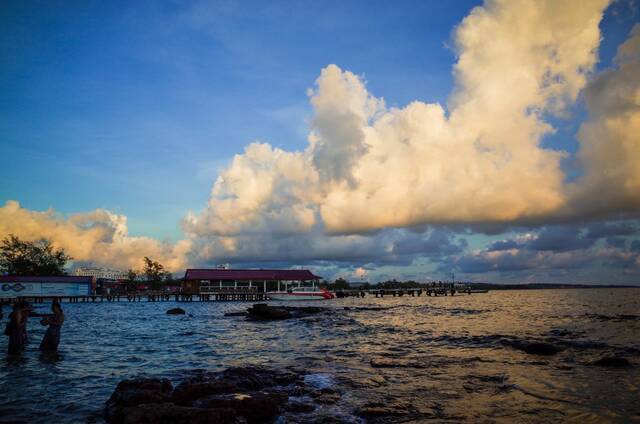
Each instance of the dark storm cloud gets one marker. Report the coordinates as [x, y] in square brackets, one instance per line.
[503, 245]
[608, 229]
[559, 239]
[439, 242]
[556, 247]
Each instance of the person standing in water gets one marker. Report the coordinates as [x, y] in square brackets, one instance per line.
[25, 312]
[51, 338]
[14, 329]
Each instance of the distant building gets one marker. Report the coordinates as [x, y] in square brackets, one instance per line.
[12, 286]
[105, 273]
[208, 280]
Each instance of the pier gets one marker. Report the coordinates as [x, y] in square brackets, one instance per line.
[240, 295]
[221, 296]
[417, 291]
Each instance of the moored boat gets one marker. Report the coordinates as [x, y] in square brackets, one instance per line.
[301, 293]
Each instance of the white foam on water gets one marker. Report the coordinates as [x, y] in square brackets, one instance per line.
[319, 381]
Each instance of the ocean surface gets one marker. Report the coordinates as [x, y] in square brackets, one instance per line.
[446, 359]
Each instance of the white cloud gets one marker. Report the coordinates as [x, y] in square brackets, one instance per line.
[100, 237]
[369, 168]
[610, 138]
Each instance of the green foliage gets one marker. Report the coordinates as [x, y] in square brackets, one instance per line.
[18, 257]
[154, 271]
[132, 275]
[338, 284]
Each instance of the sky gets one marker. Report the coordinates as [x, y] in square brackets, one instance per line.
[369, 140]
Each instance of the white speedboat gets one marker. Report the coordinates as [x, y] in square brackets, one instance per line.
[301, 293]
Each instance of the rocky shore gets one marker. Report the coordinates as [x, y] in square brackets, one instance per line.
[236, 395]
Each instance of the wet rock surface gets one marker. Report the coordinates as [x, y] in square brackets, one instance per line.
[176, 311]
[535, 347]
[612, 362]
[235, 395]
[131, 393]
[265, 312]
[397, 363]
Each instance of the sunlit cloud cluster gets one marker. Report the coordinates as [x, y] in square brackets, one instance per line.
[385, 185]
[99, 237]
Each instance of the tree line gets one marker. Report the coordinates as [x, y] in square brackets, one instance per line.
[19, 257]
[40, 257]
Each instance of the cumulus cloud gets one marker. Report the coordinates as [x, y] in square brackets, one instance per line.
[99, 237]
[370, 174]
[480, 160]
[610, 139]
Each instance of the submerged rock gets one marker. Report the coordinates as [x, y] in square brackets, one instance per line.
[176, 311]
[612, 361]
[536, 347]
[385, 409]
[299, 407]
[396, 363]
[235, 314]
[262, 312]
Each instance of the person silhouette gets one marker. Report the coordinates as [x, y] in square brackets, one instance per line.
[51, 337]
[15, 329]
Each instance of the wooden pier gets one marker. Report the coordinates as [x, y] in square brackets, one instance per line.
[418, 291]
[222, 296]
[234, 295]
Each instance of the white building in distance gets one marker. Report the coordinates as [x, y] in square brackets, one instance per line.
[111, 274]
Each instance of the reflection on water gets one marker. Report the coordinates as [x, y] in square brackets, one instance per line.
[444, 358]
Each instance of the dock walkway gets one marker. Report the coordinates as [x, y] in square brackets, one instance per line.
[247, 296]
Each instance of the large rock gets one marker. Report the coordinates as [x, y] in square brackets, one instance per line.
[612, 361]
[239, 394]
[385, 409]
[258, 378]
[263, 312]
[130, 393]
[255, 407]
[176, 311]
[168, 413]
[536, 347]
[188, 391]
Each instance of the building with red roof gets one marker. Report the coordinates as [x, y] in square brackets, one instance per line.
[205, 280]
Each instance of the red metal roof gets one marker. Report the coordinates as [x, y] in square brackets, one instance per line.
[250, 274]
[45, 279]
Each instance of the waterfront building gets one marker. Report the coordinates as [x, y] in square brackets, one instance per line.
[211, 280]
[12, 286]
[106, 273]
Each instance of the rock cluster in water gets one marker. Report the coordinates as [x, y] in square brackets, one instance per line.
[176, 311]
[265, 312]
[535, 347]
[236, 395]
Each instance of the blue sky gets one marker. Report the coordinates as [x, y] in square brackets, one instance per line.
[102, 101]
[135, 107]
